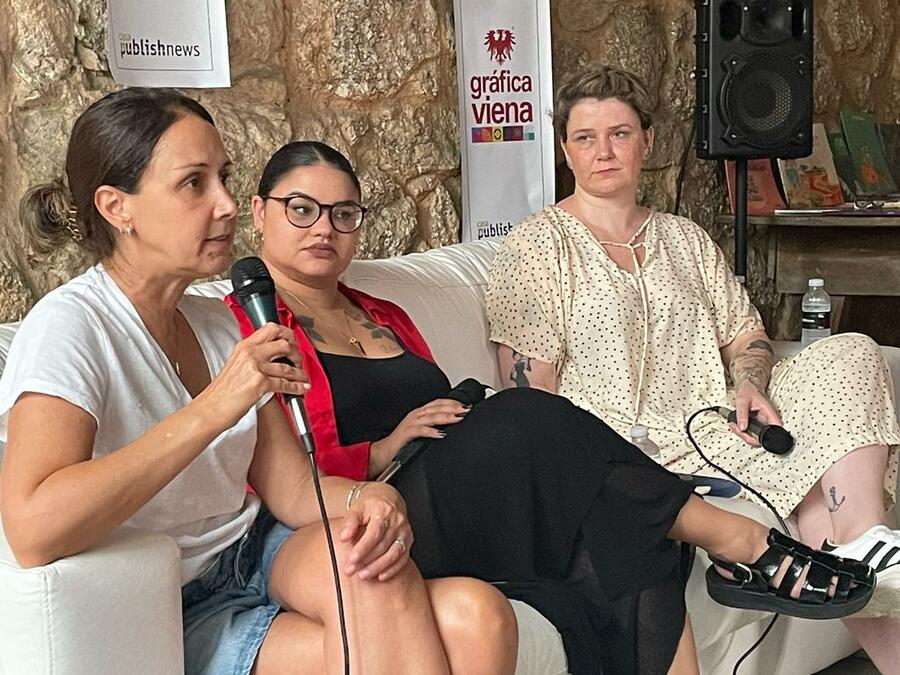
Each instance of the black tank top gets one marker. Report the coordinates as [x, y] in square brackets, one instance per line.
[372, 396]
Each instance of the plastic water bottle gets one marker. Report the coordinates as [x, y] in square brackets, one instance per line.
[640, 436]
[816, 318]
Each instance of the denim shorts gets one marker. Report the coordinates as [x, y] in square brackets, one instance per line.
[227, 610]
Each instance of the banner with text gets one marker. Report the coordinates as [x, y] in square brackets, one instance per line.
[169, 43]
[505, 96]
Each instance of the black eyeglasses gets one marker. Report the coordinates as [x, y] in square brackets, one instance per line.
[303, 211]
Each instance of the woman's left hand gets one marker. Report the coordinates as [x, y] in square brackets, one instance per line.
[378, 525]
[748, 399]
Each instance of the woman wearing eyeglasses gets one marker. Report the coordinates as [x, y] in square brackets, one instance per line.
[524, 488]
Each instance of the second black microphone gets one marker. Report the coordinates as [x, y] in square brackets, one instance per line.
[772, 437]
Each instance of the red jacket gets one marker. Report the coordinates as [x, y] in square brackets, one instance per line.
[351, 461]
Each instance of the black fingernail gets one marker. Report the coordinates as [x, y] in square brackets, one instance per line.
[442, 434]
[467, 406]
[462, 414]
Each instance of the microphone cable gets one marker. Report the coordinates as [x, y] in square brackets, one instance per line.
[687, 428]
[255, 292]
[294, 405]
[345, 643]
[756, 493]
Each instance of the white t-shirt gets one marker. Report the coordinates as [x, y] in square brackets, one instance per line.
[85, 343]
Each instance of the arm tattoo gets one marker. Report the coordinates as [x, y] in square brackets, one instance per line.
[753, 364]
[761, 344]
[521, 364]
[306, 323]
[755, 376]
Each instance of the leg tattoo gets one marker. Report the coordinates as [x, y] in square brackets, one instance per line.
[835, 504]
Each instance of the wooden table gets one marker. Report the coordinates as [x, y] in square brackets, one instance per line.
[856, 255]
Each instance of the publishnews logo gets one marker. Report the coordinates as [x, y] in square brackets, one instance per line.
[135, 46]
[500, 43]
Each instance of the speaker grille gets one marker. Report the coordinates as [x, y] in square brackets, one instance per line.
[765, 100]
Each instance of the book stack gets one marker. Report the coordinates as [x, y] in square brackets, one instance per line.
[812, 182]
[854, 168]
[763, 196]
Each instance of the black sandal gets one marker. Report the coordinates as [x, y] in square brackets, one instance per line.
[751, 588]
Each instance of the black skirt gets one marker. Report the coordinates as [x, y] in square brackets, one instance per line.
[543, 499]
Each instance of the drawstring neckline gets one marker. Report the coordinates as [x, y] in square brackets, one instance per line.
[645, 304]
[630, 243]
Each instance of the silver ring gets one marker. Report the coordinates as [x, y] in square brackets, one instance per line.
[400, 543]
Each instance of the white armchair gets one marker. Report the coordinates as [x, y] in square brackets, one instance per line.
[113, 609]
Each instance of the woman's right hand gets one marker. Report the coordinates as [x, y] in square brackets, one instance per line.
[419, 423]
[379, 530]
[250, 372]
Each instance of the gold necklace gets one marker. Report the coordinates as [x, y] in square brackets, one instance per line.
[176, 366]
[348, 335]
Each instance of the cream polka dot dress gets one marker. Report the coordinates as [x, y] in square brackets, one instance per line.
[643, 347]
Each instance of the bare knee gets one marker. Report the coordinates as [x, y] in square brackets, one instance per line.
[473, 613]
[302, 578]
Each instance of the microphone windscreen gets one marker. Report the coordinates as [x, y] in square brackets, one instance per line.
[248, 272]
[254, 290]
[776, 440]
[468, 392]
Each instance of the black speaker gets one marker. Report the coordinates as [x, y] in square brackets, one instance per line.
[754, 78]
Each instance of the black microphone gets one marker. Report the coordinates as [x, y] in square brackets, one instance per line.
[255, 291]
[772, 437]
[468, 392]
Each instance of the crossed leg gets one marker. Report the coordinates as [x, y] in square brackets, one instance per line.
[453, 625]
[728, 536]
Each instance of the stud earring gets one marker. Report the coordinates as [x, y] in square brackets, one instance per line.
[256, 239]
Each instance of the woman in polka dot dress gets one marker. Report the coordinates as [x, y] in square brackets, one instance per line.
[635, 316]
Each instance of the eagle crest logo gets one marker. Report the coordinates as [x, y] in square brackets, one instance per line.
[500, 43]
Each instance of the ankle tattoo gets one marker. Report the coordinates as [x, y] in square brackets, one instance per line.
[835, 504]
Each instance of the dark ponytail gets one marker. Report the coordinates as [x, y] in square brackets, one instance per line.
[45, 214]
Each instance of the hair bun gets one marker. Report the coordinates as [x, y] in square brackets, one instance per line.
[47, 213]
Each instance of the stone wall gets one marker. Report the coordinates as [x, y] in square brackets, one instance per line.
[376, 78]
